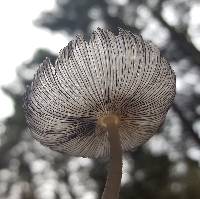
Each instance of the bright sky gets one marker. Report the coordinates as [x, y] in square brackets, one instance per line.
[20, 38]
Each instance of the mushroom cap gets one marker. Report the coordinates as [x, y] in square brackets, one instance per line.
[110, 74]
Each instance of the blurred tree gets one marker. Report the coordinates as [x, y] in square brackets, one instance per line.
[165, 167]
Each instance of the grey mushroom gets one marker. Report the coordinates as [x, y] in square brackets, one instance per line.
[100, 98]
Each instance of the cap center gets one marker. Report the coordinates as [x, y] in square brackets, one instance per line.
[109, 120]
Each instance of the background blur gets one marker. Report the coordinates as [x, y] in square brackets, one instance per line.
[167, 167]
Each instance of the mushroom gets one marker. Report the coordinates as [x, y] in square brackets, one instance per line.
[101, 97]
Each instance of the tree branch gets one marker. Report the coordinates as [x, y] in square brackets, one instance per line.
[187, 124]
[182, 39]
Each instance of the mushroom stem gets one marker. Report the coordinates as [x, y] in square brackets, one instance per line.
[113, 182]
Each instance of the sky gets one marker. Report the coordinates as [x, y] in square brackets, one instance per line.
[19, 40]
